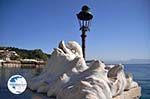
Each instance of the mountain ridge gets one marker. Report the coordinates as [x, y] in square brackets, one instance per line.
[131, 61]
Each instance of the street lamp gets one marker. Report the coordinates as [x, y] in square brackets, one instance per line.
[84, 17]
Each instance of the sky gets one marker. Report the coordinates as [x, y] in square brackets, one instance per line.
[120, 29]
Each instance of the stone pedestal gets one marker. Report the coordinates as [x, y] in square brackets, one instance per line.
[133, 93]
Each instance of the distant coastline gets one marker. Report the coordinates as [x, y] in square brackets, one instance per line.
[131, 61]
[22, 64]
[15, 57]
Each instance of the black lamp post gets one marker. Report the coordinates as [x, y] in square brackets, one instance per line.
[84, 17]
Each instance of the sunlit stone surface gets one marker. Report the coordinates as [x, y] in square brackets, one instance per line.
[67, 76]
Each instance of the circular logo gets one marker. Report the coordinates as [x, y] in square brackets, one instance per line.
[17, 84]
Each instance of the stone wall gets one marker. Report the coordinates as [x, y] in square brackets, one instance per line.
[133, 93]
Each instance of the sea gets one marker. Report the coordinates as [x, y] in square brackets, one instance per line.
[141, 74]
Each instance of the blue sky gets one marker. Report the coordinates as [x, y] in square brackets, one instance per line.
[120, 29]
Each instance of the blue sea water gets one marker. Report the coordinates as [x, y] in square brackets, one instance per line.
[141, 74]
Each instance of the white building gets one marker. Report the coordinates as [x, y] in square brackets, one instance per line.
[6, 54]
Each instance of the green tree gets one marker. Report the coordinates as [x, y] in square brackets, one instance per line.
[38, 54]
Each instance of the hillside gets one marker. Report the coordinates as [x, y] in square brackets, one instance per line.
[26, 54]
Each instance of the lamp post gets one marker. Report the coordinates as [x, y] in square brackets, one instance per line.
[84, 17]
